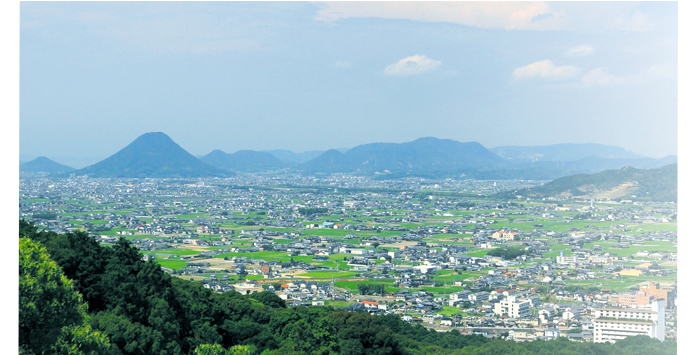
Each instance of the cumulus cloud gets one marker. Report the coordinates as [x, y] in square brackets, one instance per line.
[502, 15]
[413, 65]
[580, 51]
[545, 69]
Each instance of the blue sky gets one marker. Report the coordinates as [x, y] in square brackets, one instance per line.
[306, 76]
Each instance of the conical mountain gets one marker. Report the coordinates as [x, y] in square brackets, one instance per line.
[43, 165]
[152, 155]
[244, 161]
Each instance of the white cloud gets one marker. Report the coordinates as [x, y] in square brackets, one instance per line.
[574, 16]
[580, 51]
[413, 65]
[545, 69]
[505, 15]
[598, 77]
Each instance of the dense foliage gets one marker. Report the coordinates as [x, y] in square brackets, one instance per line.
[52, 313]
[310, 211]
[371, 289]
[143, 310]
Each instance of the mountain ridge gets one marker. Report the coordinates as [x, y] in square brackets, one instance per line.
[564, 152]
[244, 161]
[659, 185]
[156, 155]
[420, 155]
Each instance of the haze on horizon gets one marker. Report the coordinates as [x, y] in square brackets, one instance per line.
[316, 76]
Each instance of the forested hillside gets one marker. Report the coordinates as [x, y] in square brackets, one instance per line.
[132, 307]
[627, 183]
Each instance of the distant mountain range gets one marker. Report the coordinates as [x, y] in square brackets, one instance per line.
[156, 155]
[249, 161]
[424, 155]
[564, 152]
[289, 157]
[153, 155]
[43, 165]
[628, 183]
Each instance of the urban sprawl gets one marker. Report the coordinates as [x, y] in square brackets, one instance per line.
[441, 253]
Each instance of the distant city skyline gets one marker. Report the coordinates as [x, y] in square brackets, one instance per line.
[317, 76]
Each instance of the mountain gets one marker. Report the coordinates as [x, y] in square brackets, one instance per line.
[549, 170]
[564, 152]
[244, 161]
[424, 155]
[330, 161]
[659, 185]
[43, 165]
[152, 155]
[288, 156]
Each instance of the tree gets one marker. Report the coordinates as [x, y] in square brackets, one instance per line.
[81, 339]
[51, 312]
[217, 349]
[269, 299]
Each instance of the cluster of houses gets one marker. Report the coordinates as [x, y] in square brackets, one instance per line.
[384, 229]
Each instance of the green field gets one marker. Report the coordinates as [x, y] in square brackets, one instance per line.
[172, 264]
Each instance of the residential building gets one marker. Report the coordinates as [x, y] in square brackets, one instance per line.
[660, 293]
[612, 324]
[633, 299]
[504, 235]
[561, 259]
[514, 307]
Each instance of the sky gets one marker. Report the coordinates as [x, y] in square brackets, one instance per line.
[310, 76]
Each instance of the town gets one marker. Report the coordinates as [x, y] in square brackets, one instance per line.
[439, 252]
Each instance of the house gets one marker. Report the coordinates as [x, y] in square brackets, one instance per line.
[551, 333]
[504, 235]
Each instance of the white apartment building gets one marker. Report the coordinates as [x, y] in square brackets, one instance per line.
[513, 306]
[612, 324]
[561, 259]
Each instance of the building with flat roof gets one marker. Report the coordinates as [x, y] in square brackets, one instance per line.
[513, 306]
[634, 299]
[612, 324]
[657, 292]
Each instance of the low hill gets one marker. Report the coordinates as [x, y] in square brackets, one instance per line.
[44, 165]
[152, 155]
[550, 170]
[244, 161]
[564, 152]
[660, 185]
[429, 154]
